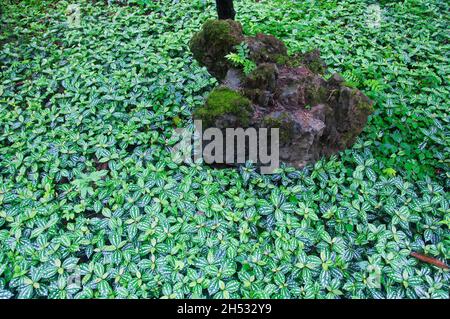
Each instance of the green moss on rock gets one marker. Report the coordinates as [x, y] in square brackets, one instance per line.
[310, 59]
[316, 95]
[283, 122]
[316, 67]
[363, 103]
[293, 61]
[223, 101]
[347, 138]
[314, 62]
[216, 39]
[263, 77]
[281, 59]
[265, 48]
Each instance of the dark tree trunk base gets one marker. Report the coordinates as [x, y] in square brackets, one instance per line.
[225, 9]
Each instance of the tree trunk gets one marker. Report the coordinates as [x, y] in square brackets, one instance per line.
[225, 9]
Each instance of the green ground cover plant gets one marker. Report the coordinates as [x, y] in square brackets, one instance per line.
[88, 187]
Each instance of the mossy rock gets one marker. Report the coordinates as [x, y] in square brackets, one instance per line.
[351, 114]
[362, 102]
[264, 77]
[314, 62]
[316, 94]
[311, 60]
[315, 117]
[265, 48]
[225, 102]
[260, 97]
[281, 59]
[216, 39]
[282, 121]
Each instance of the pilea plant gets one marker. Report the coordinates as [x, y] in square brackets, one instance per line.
[92, 204]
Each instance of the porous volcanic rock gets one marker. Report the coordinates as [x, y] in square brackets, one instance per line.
[316, 117]
[216, 39]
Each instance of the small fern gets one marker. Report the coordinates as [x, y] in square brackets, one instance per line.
[351, 79]
[374, 85]
[240, 58]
